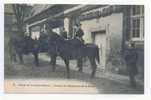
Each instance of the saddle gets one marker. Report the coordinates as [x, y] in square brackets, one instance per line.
[75, 42]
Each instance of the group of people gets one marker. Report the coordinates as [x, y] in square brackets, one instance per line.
[130, 54]
[78, 33]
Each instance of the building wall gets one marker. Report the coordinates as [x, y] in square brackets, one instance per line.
[113, 26]
[115, 31]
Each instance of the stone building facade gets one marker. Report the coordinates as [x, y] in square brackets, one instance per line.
[108, 26]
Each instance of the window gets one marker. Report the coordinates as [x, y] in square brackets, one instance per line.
[136, 28]
[137, 23]
[136, 10]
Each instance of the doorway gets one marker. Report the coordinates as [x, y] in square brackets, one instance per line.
[99, 38]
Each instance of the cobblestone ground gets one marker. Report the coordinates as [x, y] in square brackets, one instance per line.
[29, 71]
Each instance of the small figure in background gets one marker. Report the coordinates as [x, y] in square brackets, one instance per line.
[131, 57]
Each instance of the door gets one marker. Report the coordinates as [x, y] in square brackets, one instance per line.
[100, 40]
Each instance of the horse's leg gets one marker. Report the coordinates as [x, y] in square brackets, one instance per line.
[14, 57]
[93, 66]
[36, 59]
[51, 57]
[53, 62]
[21, 58]
[80, 64]
[67, 67]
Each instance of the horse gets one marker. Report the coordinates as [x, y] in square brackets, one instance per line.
[73, 49]
[20, 46]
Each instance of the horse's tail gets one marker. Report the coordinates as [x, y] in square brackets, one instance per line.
[97, 55]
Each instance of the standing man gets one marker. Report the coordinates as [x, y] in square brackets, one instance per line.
[131, 57]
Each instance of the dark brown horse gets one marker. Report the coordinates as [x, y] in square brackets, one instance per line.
[72, 49]
[20, 46]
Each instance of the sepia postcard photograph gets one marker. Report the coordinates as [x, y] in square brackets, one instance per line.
[74, 48]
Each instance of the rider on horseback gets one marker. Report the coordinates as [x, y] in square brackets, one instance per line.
[79, 33]
[64, 33]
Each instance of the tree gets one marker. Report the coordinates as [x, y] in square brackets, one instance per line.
[21, 11]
